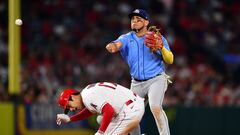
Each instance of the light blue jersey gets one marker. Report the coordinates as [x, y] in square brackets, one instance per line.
[142, 62]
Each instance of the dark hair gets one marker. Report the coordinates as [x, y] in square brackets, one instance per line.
[70, 97]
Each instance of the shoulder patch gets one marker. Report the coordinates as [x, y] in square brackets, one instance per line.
[93, 105]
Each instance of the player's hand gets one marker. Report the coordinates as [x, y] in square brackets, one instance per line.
[62, 118]
[113, 47]
[97, 133]
[153, 39]
[99, 119]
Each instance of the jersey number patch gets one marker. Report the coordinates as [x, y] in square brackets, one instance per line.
[104, 84]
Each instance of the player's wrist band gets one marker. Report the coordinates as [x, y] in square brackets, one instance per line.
[101, 132]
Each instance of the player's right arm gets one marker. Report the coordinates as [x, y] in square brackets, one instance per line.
[114, 46]
[84, 114]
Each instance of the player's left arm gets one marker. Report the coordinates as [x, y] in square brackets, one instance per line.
[158, 44]
[167, 54]
[108, 113]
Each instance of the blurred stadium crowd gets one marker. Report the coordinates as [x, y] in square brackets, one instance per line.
[63, 45]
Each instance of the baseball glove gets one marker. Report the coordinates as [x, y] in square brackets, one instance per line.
[153, 39]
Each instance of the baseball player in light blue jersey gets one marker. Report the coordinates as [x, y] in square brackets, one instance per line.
[147, 68]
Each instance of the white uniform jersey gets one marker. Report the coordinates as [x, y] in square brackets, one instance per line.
[95, 96]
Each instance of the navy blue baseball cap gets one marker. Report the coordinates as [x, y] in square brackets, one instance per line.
[139, 12]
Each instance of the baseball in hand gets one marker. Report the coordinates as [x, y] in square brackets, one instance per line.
[18, 22]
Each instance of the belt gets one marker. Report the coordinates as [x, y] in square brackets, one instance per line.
[138, 80]
[128, 102]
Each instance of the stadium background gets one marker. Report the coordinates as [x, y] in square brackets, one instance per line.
[63, 44]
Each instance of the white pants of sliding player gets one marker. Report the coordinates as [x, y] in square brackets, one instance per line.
[128, 114]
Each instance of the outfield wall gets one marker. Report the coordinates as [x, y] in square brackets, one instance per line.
[198, 121]
[7, 119]
[39, 119]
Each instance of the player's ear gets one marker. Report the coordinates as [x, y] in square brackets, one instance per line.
[146, 22]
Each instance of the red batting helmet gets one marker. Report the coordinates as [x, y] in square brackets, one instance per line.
[64, 98]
